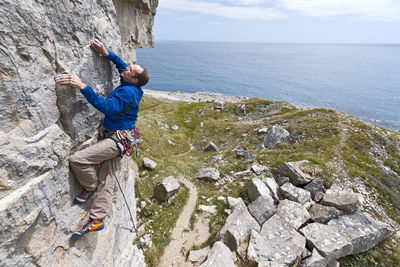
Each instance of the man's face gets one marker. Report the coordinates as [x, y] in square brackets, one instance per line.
[131, 72]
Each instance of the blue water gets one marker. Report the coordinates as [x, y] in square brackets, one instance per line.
[362, 80]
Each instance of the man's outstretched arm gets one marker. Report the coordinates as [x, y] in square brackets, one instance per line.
[99, 48]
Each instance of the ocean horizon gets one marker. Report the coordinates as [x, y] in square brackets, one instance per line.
[360, 79]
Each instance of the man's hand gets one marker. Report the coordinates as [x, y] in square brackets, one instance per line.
[99, 47]
[71, 80]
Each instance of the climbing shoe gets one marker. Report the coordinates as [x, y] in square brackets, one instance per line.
[90, 226]
[83, 197]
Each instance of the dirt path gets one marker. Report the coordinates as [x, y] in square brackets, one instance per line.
[181, 240]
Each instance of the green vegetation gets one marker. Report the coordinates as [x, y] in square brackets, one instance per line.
[338, 147]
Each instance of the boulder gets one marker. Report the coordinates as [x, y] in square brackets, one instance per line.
[346, 235]
[272, 186]
[343, 200]
[293, 171]
[295, 193]
[238, 226]
[262, 208]
[258, 169]
[149, 164]
[245, 154]
[316, 260]
[209, 174]
[219, 105]
[276, 135]
[211, 147]
[210, 209]
[256, 188]
[293, 213]
[220, 256]
[323, 214]
[277, 242]
[281, 180]
[318, 196]
[198, 256]
[315, 186]
[166, 189]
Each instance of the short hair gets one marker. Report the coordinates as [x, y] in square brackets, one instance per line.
[143, 77]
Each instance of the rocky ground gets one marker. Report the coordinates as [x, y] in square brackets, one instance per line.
[277, 185]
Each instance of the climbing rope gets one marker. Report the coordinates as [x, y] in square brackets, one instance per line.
[133, 229]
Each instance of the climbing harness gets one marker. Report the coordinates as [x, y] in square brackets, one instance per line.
[125, 144]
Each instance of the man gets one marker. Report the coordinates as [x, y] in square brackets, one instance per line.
[95, 166]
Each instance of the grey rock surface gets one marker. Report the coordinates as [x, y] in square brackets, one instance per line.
[209, 174]
[237, 227]
[276, 135]
[256, 188]
[273, 187]
[293, 171]
[277, 241]
[281, 180]
[258, 169]
[315, 260]
[315, 186]
[149, 164]
[42, 123]
[198, 256]
[346, 235]
[245, 154]
[211, 147]
[295, 193]
[262, 208]
[293, 213]
[343, 200]
[323, 214]
[210, 209]
[220, 256]
[166, 189]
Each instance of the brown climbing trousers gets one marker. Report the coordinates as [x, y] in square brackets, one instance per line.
[94, 167]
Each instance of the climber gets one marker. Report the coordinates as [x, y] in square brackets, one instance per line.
[95, 166]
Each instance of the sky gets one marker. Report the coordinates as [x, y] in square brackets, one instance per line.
[287, 21]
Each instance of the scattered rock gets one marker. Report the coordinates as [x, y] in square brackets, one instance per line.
[295, 193]
[343, 200]
[323, 214]
[162, 125]
[218, 105]
[210, 209]
[346, 235]
[149, 164]
[293, 213]
[175, 127]
[258, 169]
[201, 124]
[209, 174]
[273, 187]
[263, 129]
[232, 202]
[281, 180]
[170, 142]
[316, 260]
[166, 189]
[256, 188]
[245, 154]
[211, 147]
[242, 173]
[277, 241]
[221, 198]
[216, 157]
[220, 256]
[318, 196]
[276, 134]
[262, 208]
[293, 171]
[198, 256]
[315, 186]
[238, 226]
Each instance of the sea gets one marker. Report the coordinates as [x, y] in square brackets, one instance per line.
[362, 80]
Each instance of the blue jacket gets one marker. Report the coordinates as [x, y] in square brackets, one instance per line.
[122, 105]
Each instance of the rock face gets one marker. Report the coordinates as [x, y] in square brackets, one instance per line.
[42, 123]
[295, 193]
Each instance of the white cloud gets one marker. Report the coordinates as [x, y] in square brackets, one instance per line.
[376, 9]
[218, 9]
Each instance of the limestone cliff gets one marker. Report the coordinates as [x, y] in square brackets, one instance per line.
[41, 123]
